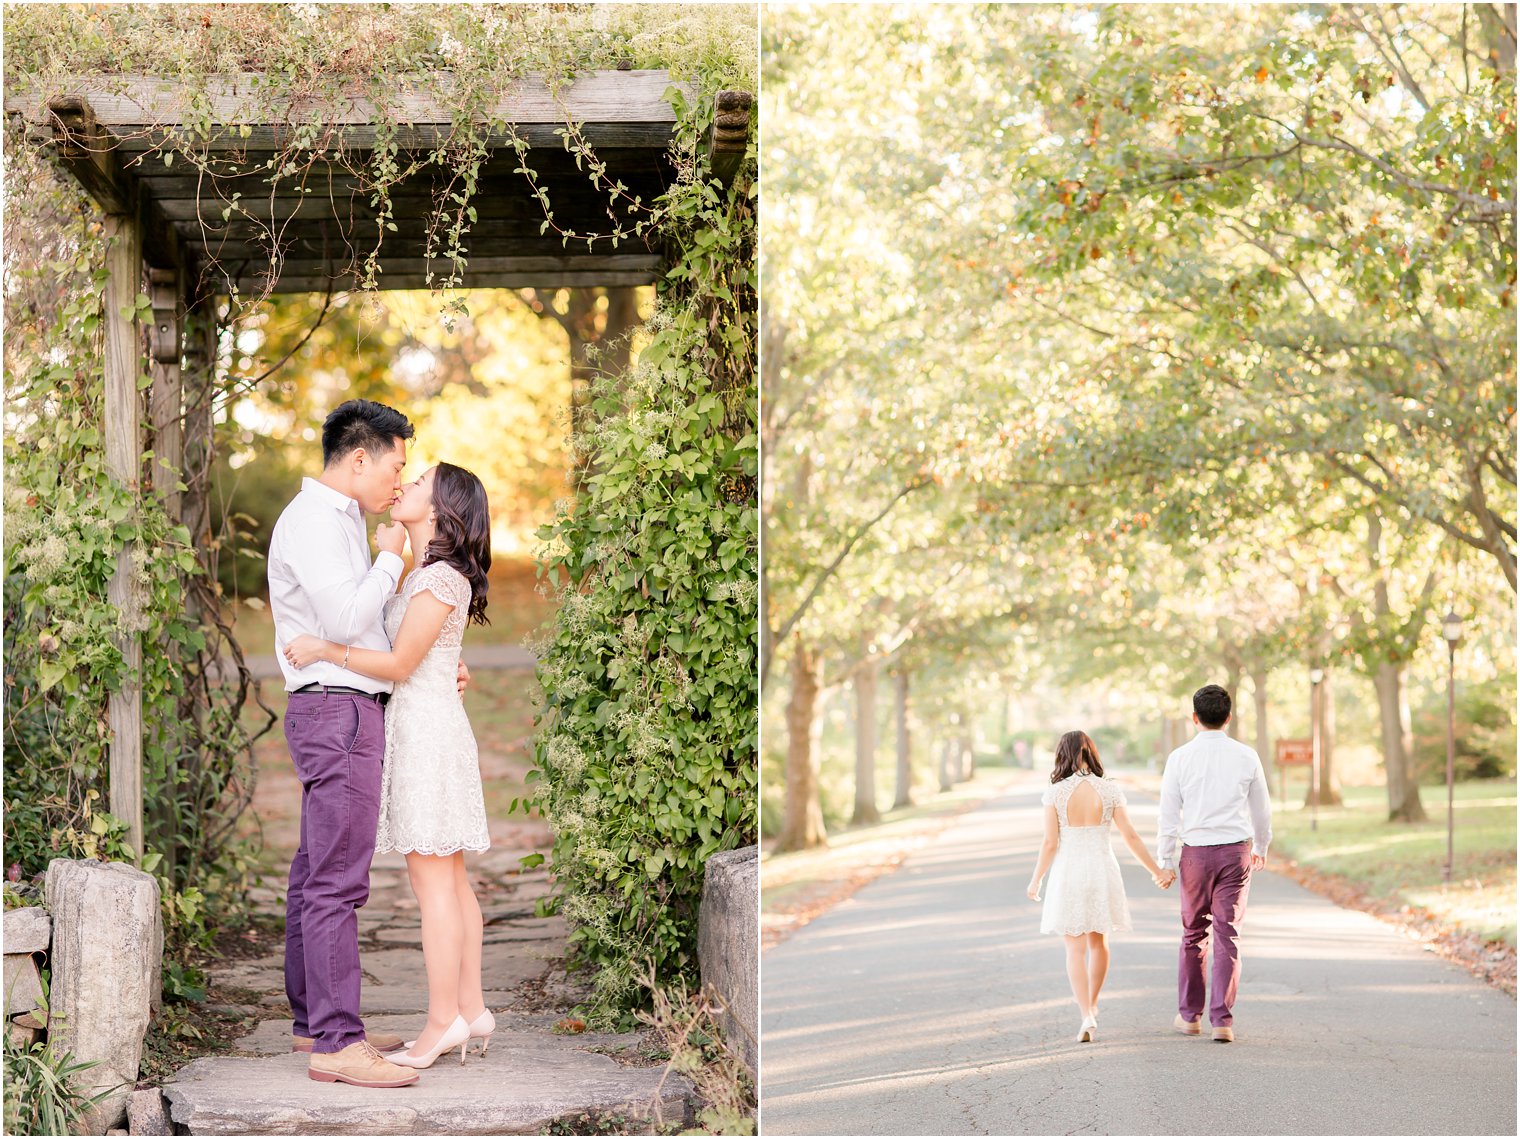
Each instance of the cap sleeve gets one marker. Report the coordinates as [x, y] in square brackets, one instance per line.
[1048, 796]
[446, 583]
[1118, 796]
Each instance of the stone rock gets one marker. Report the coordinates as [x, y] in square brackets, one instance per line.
[23, 985]
[108, 946]
[27, 930]
[525, 1085]
[148, 1114]
[728, 945]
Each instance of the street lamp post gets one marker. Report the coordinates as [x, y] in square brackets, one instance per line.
[1316, 677]
[1451, 629]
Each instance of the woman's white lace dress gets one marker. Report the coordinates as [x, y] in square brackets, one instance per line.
[430, 796]
[1084, 892]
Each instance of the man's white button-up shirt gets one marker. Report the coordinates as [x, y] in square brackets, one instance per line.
[1214, 791]
[321, 582]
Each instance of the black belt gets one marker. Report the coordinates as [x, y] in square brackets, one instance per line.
[380, 698]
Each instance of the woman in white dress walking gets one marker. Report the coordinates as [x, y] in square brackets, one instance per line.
[432, 807]
[1084, 899]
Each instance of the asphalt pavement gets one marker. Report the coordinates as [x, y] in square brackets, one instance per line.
[930, 1004]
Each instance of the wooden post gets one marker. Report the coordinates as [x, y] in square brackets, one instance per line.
[123, 366]
[166, 403]
[729, 138]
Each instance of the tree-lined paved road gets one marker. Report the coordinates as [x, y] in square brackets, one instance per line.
[929, 1004]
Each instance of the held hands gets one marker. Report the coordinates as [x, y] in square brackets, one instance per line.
[305, 650]
[1258, 861]
[463, 677]
[1164, 878]
[390, 537]
[1033, 892]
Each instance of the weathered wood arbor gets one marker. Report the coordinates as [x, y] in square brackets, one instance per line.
[185, 236]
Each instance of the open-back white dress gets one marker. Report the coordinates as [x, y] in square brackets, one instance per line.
[431, 800]
[1084, 892]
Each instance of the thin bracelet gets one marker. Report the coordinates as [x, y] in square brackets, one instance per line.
[345, 656]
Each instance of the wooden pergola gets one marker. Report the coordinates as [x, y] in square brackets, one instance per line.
[184, 235]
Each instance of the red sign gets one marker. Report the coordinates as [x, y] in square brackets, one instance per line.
[1295, 751]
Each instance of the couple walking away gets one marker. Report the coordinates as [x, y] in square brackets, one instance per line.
[1214, 803]
[379, 737]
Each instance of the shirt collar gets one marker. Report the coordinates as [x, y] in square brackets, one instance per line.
[334, 498]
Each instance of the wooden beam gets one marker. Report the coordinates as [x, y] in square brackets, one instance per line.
[166, 399]
[561, 280]
[123, 446]
[614, 108]
[729, 139]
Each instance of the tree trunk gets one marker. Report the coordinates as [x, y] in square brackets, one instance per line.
[1259, 698]
[946, 758]
[801, 812]
[904, 794]
[866, 676]
[968, 759]
[1403, 787]
[1232, 686]
[1328, 788]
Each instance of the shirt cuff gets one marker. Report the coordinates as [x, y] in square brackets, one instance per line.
[391, 564]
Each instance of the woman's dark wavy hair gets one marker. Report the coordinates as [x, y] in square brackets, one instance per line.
[462, 532]
[1075, 751]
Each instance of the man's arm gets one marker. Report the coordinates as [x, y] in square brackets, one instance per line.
[320, 556]
[1261, 812]
[1170, 823]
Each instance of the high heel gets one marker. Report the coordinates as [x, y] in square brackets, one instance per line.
[481, 1029]
[1089, 1033]
[457, 1035]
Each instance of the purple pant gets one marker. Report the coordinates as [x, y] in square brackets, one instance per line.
[337, 743]
[1215, 881]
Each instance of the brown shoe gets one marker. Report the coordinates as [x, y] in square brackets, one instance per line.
[379, 1041]
[359, 1064]
[1188, 1027]
[1224, 1034]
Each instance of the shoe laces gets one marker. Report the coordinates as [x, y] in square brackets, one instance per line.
[368, 1051]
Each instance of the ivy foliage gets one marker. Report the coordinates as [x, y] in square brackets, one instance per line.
[648, 748]
[687, 649]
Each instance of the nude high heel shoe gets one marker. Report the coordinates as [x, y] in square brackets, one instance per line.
[481, 1029]
[456, 1036]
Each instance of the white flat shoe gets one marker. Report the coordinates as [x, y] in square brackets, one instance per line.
[457, 1035]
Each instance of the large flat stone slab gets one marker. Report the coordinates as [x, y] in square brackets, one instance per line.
[523, 1085]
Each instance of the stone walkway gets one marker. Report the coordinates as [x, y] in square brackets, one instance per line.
[532, 1078]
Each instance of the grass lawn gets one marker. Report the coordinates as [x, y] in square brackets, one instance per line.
[1400, 863]
[513, 604]
[798, 886]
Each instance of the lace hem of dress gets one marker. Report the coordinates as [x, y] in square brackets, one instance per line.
[441, 851]
[1117, 927]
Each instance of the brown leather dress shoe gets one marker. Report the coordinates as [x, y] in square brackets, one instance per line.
[359, 1064]
[1188, 1027]
[379, 1041]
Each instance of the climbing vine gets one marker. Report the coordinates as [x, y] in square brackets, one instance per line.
[648, 741]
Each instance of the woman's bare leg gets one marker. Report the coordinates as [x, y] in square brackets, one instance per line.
[1076, 972]
[432, 879]
[1097, 967]
[471, 998]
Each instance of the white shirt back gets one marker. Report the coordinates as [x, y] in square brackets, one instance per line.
[321, 582]
[1214, 791]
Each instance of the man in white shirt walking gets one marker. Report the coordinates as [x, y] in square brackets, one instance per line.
[321, 582]
[1214, 802]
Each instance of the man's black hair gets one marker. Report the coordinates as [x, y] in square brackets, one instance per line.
[1211, 704]
[362, 423]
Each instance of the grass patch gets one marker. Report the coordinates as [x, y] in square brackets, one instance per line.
[1400, 864]
[797, 887]
[513, 604]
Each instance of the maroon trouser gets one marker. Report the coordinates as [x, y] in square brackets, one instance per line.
[1215, 881]
[336, 742]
